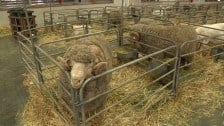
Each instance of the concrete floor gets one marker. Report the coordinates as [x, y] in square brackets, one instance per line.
[13, 94]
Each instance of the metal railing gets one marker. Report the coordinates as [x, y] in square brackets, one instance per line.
[4, 4]
[49, 64]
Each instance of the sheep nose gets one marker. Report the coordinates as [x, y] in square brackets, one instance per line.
[76, 83]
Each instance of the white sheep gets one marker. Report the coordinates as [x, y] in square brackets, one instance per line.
[79, 29]
[210, 30]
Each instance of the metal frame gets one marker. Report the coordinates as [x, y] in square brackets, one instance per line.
[38, 60]
[43, 53]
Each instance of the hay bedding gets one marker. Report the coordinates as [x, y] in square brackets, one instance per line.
[199, 96]
[39, 110]
[5, 30]
[48, 37]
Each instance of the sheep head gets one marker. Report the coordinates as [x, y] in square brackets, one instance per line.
[134, 36]
[135, 39]
[82, 63]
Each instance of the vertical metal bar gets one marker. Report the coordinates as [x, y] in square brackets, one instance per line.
[189, 18]
[51, 21]
[65, 26]
[51, 17]
[120, 29]
[82, 108]
[136, 19]
[176, 67]
[86, 30]
[35, 54]
[217, 11]
[20, 46]
[77, 14]
[217, 6]
[89, 17]
[44, 14]
[108, 21]
[75, 102]
[205, 19]
[83, 114]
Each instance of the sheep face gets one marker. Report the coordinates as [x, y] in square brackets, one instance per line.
[79, 73]
[135, 36]
[80, 70]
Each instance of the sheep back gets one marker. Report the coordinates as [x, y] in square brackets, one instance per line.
[177, 34]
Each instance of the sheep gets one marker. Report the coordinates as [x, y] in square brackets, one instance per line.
[178, 34]
[114, 18]
[162, 11]
[149, 21]
[158, 12]
[86, 58]
[217, 53]
[81, 29]
[212, 30]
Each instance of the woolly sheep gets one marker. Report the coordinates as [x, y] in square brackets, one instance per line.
[207, 30]
[114, 17]
[86, 58]
[178, 34]
[149, 21]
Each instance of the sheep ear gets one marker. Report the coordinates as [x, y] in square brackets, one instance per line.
[99, 68]
[135, 35]
[64, 62]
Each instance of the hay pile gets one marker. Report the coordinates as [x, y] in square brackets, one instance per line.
[134, 116]
[38, 110]
[44, 38]
[197, 97]
[36, 101]
[49, 37]
[5, 30]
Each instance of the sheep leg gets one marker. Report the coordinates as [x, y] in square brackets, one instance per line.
[187, 60]
[214, 52]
